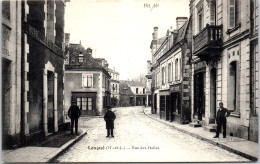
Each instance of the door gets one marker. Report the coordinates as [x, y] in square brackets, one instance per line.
[50, 103]
[167, 105]
[155, 103]
[199, 95]
[213, 96]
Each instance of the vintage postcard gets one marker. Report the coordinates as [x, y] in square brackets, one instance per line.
[129, 81]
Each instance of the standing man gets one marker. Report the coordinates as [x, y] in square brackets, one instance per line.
[74, 114]
[221, 119]
[109, 118]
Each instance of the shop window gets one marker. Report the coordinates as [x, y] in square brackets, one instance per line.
[87, 80]
[84, 103]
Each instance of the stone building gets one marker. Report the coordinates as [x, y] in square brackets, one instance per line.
[86, 81]
[171, 72]
[225, 64]
[114, 87]
[126, 95]
[42, 68]
[148, 84]
[11, 73]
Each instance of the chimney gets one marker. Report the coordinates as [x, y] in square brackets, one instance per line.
[180, 22]
[155, 34]
[67, 38]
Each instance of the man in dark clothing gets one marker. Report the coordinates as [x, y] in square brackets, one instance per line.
[74, 113]
[109, 118]
[221, 119]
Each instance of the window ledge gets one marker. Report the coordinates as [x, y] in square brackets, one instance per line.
[237, 115]
[229, 31]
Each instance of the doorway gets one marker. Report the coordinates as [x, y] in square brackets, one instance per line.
[199, 95]
[213, 95]
[50, 104]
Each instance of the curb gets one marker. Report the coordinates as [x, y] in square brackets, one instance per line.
[223, 146]
[52, 158]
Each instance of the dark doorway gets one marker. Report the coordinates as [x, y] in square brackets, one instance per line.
[167, 107]
[50, 104]
[199, 95]
[213, 95]
[155, 104]
[6, 87]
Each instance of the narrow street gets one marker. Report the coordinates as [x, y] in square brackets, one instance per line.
[141, 139]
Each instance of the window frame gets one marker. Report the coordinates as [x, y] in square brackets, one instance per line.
[87, 76]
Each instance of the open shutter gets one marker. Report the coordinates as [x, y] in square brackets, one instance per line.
[212, 12]
[231, 13]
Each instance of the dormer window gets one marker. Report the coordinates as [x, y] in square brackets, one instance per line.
[81, 57]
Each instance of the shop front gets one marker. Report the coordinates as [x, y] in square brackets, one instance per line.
[175, 103]
[86, 101]
[165, 104]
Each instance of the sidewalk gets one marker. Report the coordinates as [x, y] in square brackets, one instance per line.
[44, 151]
[243, 147]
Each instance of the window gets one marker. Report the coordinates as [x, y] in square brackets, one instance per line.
[163, 75]
[116, 87]
[84, 103]
[169, 72]
[136, 90]
[6, 9]
[254, 16]
[143, 90]
[233, 87]
[213, 12]
[87, 80]
[200, 16]
[234, 13]
[81, 59]
[176, 70]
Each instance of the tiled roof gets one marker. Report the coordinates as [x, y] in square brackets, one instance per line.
[135, 83]
[182, 31]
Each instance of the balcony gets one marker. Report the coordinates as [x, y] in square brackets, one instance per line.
[42, 39]
[208, 42]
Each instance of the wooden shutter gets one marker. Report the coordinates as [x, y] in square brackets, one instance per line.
[237, 12]
[212, 12]
[231, 13]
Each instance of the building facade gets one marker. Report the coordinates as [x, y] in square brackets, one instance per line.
[126, 95]
[11, 73]
[148, 84]
[86, 81]
[171, 73]
[224, 64]
[114, 87]
[42, 68]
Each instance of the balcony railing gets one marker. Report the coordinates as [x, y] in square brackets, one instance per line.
[41, 38]
[208, 40]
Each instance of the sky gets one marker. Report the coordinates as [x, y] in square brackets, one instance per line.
[121, 30]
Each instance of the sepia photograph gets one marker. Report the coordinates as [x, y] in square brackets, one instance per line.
[88, 81]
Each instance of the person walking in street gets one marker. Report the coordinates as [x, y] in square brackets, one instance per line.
[221, 119]
[74, 114]
[109, 118]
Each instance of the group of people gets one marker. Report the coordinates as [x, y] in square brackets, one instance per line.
[74, 113]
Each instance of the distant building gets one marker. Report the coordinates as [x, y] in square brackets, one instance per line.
[114, 87]
[126, 95]
[86, 81]
[148, 89]
[135, 90]
[171, 72]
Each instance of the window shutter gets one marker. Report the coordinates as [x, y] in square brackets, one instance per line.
[237, 12]
[212, 12]
[232, 13]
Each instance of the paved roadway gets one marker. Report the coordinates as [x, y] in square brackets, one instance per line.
[141, 139]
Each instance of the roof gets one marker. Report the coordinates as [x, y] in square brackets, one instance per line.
[182, 31]
[135, 83]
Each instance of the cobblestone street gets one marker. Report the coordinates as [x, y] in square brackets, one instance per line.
[141, 139]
